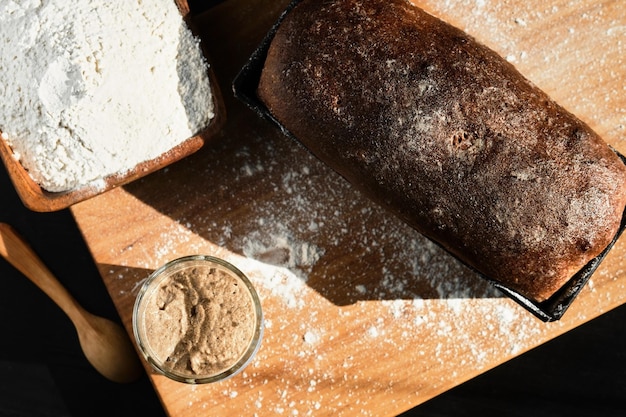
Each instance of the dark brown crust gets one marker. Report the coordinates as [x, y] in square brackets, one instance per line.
[447, 135]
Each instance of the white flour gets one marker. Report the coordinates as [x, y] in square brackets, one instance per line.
[90, 89]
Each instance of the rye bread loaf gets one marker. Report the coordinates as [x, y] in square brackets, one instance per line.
[447, 135]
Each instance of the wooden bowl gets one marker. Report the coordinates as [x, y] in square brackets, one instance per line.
[37, 199]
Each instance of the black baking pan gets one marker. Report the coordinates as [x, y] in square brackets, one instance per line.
[244, 88]
[247, 80]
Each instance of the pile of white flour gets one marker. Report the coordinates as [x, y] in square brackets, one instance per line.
[91, 88]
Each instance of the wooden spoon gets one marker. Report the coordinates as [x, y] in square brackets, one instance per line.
[105, 344]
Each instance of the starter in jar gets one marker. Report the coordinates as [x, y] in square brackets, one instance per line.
[200, 321]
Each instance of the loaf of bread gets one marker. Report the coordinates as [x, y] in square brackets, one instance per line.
[447, 135]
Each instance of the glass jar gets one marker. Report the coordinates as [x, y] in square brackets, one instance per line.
[198, 319]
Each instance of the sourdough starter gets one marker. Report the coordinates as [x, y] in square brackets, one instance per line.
[200, 321]
[90, 89]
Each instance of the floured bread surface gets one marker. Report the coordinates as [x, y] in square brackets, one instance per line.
[90, 89]
[447, 135]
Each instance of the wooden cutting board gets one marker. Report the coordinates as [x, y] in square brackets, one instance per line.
[363, 315]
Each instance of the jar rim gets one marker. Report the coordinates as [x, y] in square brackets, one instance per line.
[164, 272]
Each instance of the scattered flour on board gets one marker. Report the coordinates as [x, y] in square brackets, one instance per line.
[283, 275]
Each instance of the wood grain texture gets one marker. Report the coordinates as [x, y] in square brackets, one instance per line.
[363, 315]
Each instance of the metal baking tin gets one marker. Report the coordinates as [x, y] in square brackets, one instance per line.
[244, 88]
[247, 80]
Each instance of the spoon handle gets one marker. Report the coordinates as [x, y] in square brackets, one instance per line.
[19, 254]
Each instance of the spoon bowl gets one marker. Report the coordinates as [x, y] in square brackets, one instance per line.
[106, 344]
